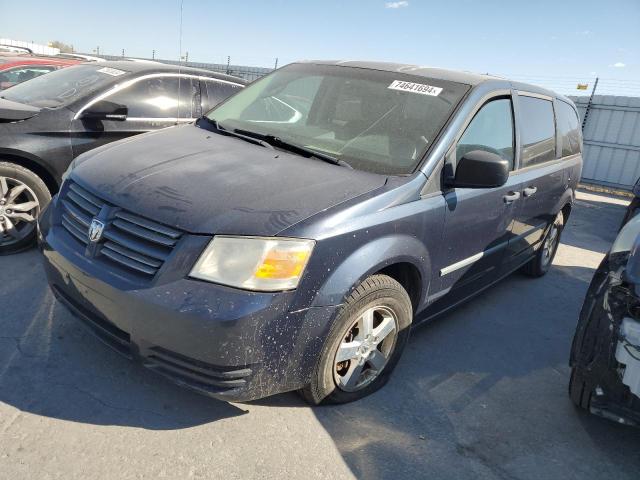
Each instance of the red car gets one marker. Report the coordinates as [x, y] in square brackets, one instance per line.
[16, 68]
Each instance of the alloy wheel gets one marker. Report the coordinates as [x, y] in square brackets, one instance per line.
[550, 243]
[19, 209]
[365, 349]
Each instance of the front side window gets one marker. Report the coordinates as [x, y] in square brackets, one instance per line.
[154, 97]
[491, 130]
[568, 129]
[376, 121]
[538, 131]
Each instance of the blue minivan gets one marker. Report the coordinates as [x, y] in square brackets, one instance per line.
[291, 237]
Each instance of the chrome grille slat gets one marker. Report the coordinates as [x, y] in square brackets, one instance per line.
[138, 247]
[86, 195]
[82, 203]
[131, 254]
[116, 257]
[143, 233]
[76, 213]
[128, 241]
[161, 229]
[74, 230]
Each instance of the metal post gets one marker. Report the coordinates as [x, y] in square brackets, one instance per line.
[275, 67]
[588, 107]
[228, 63]
[123, 53]
[98, 50]
[186, 57]
[153, 54]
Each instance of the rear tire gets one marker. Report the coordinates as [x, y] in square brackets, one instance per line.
[22, 196]
[370, 357]
[541, 263]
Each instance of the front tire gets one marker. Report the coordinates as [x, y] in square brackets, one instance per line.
[22, 196]
[365, 343]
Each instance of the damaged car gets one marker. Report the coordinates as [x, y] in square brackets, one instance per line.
[605, 355]
[291, 237]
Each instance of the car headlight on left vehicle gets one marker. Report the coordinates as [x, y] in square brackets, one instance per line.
[254, 263]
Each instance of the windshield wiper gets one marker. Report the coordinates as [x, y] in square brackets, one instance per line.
[233, 133]
[292, 147]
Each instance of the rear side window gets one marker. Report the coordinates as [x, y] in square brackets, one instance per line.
[217, 92]
[538, 131]
[568, 129]
[491, 130]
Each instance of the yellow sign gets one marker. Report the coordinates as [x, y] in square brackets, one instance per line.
[582, 86]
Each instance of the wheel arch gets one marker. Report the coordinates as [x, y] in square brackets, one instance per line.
[402, 257]
[33, 163]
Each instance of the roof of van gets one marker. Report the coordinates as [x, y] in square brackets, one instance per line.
[468, 78]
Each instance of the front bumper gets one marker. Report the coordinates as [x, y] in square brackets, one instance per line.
[223, 342]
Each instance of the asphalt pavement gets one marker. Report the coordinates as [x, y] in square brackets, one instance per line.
[480, 393]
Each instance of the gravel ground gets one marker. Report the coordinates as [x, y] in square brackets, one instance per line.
[480, 393]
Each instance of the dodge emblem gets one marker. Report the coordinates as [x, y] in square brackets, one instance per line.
[95, 230]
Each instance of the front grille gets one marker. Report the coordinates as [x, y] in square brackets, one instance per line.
[194, 373]
[131, 242]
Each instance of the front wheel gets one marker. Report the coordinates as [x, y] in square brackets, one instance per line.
[364, 344]
[22, 195]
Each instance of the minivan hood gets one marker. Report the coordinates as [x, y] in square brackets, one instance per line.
[14, 111]
[204, 182]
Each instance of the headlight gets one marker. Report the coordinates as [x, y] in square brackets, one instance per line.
[254, 263]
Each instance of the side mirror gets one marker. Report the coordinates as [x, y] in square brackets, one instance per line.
[105, 110]
[481, 169]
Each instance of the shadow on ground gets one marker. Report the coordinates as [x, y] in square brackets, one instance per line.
[51, 366]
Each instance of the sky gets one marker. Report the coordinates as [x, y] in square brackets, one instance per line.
[565, 40]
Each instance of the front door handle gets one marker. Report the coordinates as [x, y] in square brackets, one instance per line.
[511, 197]
[530, 191]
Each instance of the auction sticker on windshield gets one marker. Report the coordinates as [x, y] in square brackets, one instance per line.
[114, 72]
[415, 88]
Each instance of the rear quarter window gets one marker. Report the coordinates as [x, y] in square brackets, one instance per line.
[568, 129]
[538, 133]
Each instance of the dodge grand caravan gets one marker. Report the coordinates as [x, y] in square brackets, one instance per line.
[292, 236]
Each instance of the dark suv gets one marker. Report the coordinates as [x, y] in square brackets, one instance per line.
[292, 236]
[48, 121]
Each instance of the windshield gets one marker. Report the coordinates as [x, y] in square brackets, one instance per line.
[377, 121]
[61, 87]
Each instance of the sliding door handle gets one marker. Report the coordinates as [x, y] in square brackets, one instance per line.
[529, 191]
[511, 197]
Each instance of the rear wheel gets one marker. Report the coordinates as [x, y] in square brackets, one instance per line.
[541, 263]
[22, 195]
[365, 343]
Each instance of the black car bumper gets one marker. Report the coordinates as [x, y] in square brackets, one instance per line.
[223, 342]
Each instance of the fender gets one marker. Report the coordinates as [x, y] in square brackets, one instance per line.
[28, 160]
[370, 259]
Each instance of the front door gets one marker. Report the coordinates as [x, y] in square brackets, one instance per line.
[153, 102]
[478, 222]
